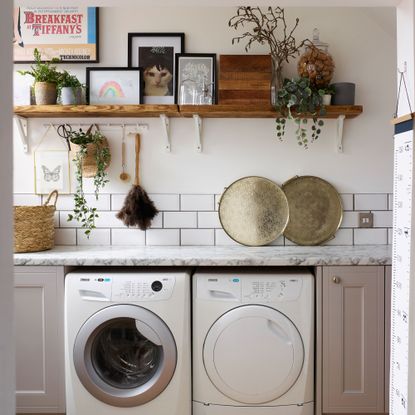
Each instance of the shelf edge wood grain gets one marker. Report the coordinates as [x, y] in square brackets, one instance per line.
[260, 111]
[142, 111]
[110, 111]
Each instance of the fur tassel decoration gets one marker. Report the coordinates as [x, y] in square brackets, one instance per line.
[138, 209]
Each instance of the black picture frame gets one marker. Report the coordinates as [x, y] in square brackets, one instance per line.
[84, 61]
[140, 46]
[197, 56]
[90, 87]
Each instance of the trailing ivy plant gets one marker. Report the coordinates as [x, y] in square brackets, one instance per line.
[83, 213]
[297, 100]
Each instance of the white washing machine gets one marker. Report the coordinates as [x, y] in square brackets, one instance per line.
[127, 343]
[253, 343]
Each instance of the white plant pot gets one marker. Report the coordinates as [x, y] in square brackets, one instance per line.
[71, 96]
[326, 99]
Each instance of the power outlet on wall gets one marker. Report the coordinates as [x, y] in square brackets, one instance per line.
[365, 220]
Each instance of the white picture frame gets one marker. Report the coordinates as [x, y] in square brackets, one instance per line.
[52, 171]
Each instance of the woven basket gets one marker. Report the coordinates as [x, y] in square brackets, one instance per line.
[34, 226]
[89, 164]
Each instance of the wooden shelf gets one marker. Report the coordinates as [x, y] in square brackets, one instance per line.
[99, 111]
[137, 111]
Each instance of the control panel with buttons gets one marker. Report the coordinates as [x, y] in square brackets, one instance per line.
[149, 288]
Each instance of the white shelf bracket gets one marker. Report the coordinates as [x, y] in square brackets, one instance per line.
[198, 132]
[339, 137]
[22, 126]
[165, 123]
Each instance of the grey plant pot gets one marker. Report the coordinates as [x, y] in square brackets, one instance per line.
[45, 93]
[71, 96]
[345, 93]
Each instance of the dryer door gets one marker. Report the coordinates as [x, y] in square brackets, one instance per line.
[253, 354]
[125, 355]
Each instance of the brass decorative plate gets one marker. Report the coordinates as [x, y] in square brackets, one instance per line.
[316, 210]
[253, 211]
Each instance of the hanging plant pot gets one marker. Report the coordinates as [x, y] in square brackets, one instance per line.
[89, 164]
[45, 93]
[71, 95]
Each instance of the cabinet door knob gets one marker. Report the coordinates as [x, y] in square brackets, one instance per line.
[336, 280]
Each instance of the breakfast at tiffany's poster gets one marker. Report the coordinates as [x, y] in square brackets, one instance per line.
[67, 33]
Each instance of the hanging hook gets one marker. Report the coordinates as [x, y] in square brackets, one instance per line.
[405, 68]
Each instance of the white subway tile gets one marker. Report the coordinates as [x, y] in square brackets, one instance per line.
[56, 219]
[197, 202]
[157, 222]
[390, 201]
[221, 238]
[20, 199]
[65, 236]
[208, 220]
[128, 237]
[97, 237]
[390, 236]
[382, 219]
[370, 201]
[162, 237]
[350, 220]
[370, 236]
[278, 242]
[63, 220]
[347, 201]
[117, 201]
[108, 220]
[342, 237]
[180, 220]
[66, 202]
[289, 243]
[197, 237]
[217, 201]
[165, 201]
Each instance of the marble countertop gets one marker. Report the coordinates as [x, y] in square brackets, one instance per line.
[209, 256]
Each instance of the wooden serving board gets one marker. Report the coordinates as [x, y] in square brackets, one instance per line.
[244, 79]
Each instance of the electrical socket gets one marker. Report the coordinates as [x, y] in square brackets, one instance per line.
[365, 220]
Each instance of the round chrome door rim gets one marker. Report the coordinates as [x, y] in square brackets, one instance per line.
[93, 382]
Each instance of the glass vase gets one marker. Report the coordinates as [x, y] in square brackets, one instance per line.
[277, 79]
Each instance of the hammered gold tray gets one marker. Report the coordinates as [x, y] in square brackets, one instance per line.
[316, 211]
[253, 211]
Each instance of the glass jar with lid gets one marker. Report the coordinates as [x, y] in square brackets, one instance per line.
[316, 62]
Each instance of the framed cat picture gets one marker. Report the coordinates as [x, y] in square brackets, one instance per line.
[52, 171]
[155, 54]
[114, 86]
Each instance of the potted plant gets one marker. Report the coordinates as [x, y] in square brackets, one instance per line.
[269, 27]
[329, 91]
[46, 79]
[69, 89]
[297, 100]
[84, 213]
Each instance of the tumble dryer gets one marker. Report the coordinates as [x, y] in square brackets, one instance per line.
[127, 343]
[253, 337]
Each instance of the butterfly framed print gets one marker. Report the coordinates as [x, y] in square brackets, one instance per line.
[52, 171]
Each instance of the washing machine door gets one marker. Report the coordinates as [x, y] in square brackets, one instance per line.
[125, 355]
[253, 354]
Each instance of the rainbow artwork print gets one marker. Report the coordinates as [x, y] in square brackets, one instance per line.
[111, 89]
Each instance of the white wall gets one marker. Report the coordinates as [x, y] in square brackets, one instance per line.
[362, 42]
[405, 14]
[6, 277]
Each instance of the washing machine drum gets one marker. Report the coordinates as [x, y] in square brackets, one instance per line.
[253, 354]
[125, 355]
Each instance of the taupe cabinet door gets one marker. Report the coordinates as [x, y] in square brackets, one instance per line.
[39, 339]
[353, 339]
